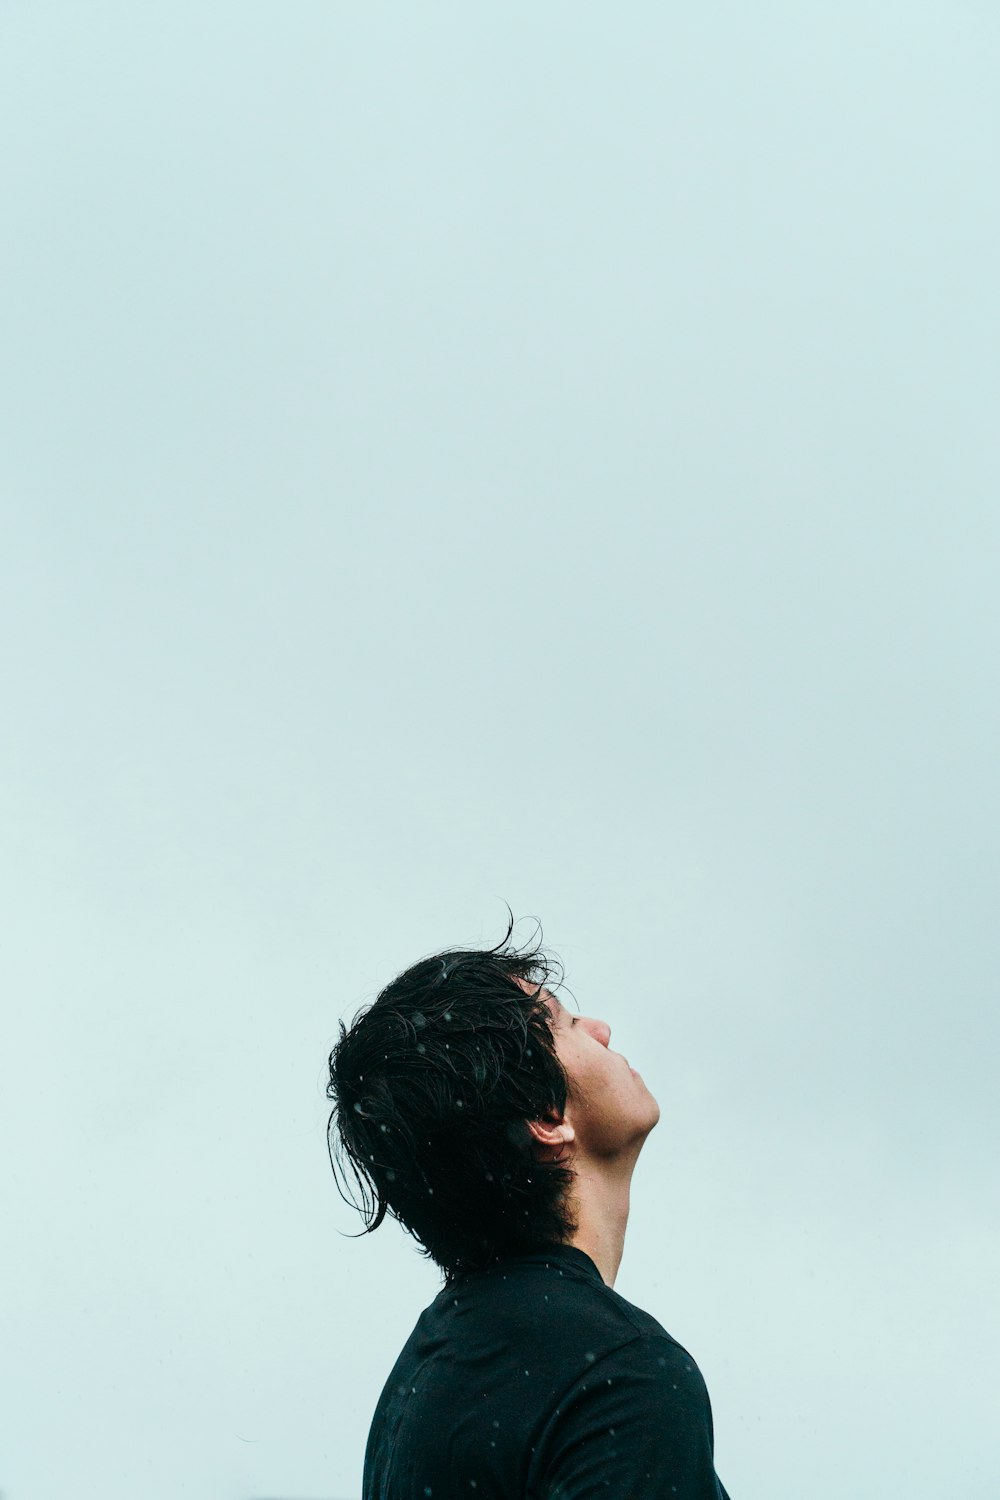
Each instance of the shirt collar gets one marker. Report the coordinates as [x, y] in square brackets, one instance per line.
[563, 1256]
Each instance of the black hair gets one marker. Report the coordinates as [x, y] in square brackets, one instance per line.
[433, 1086]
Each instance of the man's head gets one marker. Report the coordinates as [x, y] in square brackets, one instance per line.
[463, 1095]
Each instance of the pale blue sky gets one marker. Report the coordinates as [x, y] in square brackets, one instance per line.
[463, 454]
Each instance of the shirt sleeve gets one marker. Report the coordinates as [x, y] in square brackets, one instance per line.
[636, 1425]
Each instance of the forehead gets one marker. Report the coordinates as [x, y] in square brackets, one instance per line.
[556, 1008]
[557, 1011]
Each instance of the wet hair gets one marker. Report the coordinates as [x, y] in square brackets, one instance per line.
[433, 1086]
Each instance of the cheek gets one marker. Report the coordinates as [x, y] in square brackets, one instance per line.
[581, 1082]
[593, 1086]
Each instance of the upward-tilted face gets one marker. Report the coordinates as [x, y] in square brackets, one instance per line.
[609, 1106]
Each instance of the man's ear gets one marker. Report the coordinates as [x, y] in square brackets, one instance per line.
[553, 1132]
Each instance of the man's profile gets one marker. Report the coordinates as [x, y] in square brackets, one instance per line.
[502, 1132]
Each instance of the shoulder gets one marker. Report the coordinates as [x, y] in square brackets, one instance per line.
[638, 1419]
[641, 1372]
[654, 1361]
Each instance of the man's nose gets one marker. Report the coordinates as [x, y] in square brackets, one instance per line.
[601, 1030]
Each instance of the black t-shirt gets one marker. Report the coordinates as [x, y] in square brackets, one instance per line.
[535, 1381]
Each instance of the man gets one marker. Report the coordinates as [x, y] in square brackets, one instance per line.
[502, 1132]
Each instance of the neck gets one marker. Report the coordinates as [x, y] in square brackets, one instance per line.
[601, 1204]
